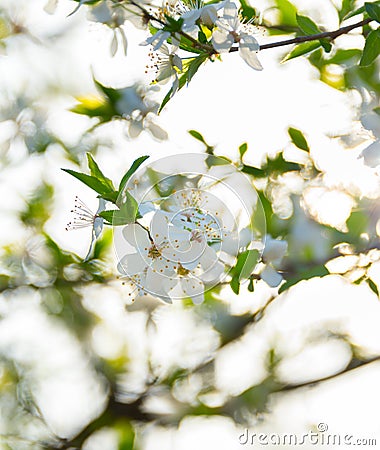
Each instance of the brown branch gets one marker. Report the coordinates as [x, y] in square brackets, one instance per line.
[331, 35]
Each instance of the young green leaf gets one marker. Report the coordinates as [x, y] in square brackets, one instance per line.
[298, 139]
[360, 10]
[287, 12]
[373, 11]
[307, 25]
[318, 271]
[243, 149]
[373, 286]
[301, 49]
[126, 214]
[90, 181]
[169, 95]
[246, 262]
[347, 6]
[195, 65]
[247, 11]
[135, 165]
[371, 48]
[97, 173]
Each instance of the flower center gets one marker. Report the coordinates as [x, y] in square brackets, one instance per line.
[154, 252]
[182, 271]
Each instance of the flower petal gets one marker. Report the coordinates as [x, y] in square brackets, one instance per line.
[222, 40]
[248, 47]
[131, 264]
[274, 249]
[136, 236]
[270, 276]
[194, 289]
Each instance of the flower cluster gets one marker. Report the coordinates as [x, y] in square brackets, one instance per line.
[179, 233]
[201, 30]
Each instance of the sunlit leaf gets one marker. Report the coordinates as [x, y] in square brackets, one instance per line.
[319, 271]
[135, 165]
[373, 11]
[301, 49]
[371, 48]
[298, 139]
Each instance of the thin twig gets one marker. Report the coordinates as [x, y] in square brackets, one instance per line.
[331, 35]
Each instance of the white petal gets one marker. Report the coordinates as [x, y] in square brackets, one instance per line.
[208, 259]
[131, 264]
[209, 15]
[230, 13]
[194, 289]
[177, 61]
[146, 207]
[51, 6]
[270, 276]
[135, 128]
[189, 18]
[248, 47]
[158, 284]
[191, 258]
[371, 154]
[136, 236]
[274, 249]
[159, 228]
[222, 41]
[157, 131]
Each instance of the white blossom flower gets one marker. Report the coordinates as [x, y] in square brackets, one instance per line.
[146, 270]
[230, 30]
[273, 253]
[84, 217]
[193, 11]
[157, 39]
[166, 65]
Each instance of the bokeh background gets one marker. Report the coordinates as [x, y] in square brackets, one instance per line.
[79, 367]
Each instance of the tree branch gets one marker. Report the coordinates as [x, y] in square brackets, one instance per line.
[313, 37]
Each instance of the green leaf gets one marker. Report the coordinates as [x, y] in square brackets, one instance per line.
[195, 65]
[307, 25]
[135, 165]
[246, 262]
[360, 10]
[298, 139]
[113, 94]
[243, 149]
[97, 173]
[277, 164]
[318, 271]
[347, 6]
[287, 11]
[309, 28]
[373, 11]
[377, 110]
[197, 135]
[90, 181]
[254, 171]
[371, 48]
[373, 286]
[235, 285]
[126, 214]
[169, 95]
[247, 11]
[301, 49]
